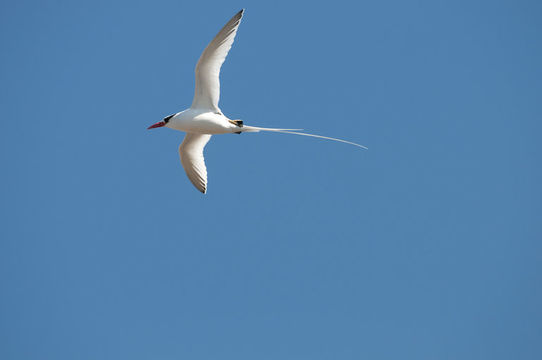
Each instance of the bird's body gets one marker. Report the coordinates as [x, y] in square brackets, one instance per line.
[204, 118]
[202, 121]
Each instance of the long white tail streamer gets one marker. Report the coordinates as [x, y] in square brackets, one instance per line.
[295, 132]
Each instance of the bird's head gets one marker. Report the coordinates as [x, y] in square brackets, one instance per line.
[161, 123]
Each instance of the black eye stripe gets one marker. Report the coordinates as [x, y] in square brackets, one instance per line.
[166, 119]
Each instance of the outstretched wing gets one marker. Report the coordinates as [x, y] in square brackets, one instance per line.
[207, 90]
[191, 153]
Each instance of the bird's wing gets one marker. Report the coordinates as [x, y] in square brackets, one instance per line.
[207, 90]
[191, 153]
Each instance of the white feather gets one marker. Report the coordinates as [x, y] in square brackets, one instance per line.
[207, 91]
[191, 153]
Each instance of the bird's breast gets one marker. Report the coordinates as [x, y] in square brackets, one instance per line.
[200, 122]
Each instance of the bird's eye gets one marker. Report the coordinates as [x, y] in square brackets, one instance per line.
[166, 119]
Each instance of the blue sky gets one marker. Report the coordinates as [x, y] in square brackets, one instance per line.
[426, 246]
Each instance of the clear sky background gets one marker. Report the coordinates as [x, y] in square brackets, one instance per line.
[426, 246]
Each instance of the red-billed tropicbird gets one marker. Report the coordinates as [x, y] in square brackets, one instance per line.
[204, 118]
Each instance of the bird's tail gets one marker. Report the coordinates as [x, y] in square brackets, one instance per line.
[247, 128]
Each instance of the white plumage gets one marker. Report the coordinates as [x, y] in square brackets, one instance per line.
[191, 153]
[204, 118]
[207, 92]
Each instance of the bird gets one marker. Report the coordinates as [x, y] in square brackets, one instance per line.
[204, 118]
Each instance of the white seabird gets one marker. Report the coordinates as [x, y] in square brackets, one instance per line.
[204, 118]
